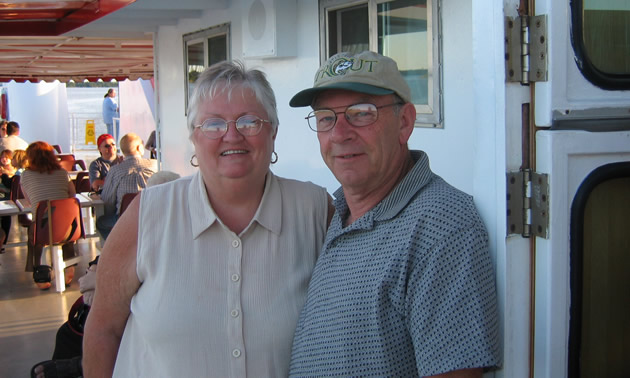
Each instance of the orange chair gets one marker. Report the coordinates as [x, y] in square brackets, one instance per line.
[58, 222]
[69, 163]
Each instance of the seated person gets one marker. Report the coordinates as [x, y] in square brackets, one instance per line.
[98, 168]
[128, 176]
[44, 179]
[19, 164]
[66, 359]
[19, 161]
[6, 168]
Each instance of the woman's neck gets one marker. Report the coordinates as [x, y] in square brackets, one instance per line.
[235, 202]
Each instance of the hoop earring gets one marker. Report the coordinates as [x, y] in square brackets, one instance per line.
[191, 161]
[274, 157]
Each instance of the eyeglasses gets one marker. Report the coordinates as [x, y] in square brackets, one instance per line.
[109, 145]
[358, 115]
[247, 125]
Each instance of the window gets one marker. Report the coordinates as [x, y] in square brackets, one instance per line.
[601, 39]
[405, 30]
[203, 49]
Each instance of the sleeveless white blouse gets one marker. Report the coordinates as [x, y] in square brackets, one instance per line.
[213, 303]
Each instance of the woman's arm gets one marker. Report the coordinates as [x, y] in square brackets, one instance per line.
[116, 283]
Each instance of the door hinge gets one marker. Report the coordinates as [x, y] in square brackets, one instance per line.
[528, 204]
[526, 49]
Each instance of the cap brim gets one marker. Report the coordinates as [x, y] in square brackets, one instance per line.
[305, 97]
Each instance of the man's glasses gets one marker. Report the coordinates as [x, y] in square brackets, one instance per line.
[358, 115]
[109, 145]
[247, 125]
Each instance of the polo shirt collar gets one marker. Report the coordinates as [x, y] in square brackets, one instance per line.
[268, 215]
[419, 176]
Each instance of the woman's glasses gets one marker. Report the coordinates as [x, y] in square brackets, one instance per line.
[247, 125]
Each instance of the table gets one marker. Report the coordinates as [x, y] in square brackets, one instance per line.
[8, 208]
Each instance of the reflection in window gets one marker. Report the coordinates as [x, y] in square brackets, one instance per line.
[607, 35]
[349, 30]
[402, 24]
[400, 29]
[203, 49]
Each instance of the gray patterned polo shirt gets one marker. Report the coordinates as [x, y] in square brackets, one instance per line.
[406, 290]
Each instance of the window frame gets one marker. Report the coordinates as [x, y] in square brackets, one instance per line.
[203, 36]
[428, 115]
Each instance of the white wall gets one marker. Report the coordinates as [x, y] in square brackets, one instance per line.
[452, 150]
[296, 144]
[41, 110]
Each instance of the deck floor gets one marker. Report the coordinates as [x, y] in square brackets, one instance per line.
[29, 317]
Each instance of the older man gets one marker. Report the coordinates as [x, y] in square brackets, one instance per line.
[405, 284]
[128, 176]
[100, 166]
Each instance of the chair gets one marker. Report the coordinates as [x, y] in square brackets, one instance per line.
[126, 200]
[82, 182]
[69, 165]
[57, 148]
[58, 222]
[16, 194]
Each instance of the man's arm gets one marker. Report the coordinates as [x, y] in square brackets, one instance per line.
[116, 283]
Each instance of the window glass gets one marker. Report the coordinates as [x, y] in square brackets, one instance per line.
[217, 49]
[402, 24]
[607, 35]
[195, 64]
[349, 30]
[601, 41]
[401, 29]
[203, 49]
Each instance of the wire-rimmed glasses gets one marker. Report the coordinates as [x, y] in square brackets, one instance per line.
[358, 115]
[247, 125]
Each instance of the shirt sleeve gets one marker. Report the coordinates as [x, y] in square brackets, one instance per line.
[451, 304]
[95, 173]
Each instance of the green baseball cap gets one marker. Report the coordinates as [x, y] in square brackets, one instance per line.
[365, 72]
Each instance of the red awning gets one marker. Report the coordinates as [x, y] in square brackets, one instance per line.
[46, 18]
[32, 48]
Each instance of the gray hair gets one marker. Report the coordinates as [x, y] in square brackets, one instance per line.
[222, 78]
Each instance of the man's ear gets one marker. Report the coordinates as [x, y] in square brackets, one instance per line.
[407, 117]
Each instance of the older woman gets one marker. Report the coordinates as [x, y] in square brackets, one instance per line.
[206, 275]
[44, 179]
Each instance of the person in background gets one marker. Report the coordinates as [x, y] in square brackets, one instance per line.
[151, 145]
[19, 161]
[405, 284]
[6, 168]
[13, 141]
[3, 128]
[100, 167]
[233, 245]
[44, 179]
[110, 111]
[128, 176]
